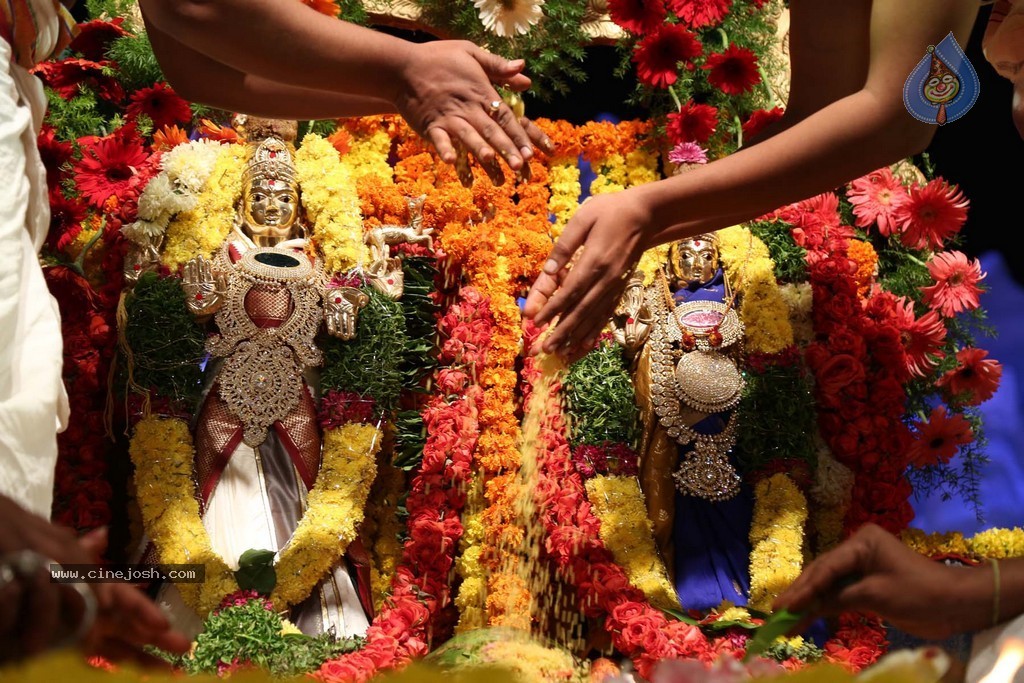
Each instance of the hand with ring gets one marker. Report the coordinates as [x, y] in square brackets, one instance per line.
[450, 98]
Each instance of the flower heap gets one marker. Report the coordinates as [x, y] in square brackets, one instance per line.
[702, 64]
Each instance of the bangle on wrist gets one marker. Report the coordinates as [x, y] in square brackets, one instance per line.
[996, 590]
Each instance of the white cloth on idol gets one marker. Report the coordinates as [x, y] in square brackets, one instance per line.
[986, 646]
[33, 405]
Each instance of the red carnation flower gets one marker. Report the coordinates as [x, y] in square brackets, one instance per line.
[161, 104]
[55, 155]
[758, 121]
[734, 71]
[658, 55]
[94, 37]
[637, 16]
[701, 13]
[931, 215]
[65, 76]
[693, 123]
[109, 165]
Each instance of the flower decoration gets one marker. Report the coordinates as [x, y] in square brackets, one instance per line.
[956, 287]
[700, 13]
[688, 153]
[637, 16]
[161, 104]
[939, 437]
[931, 214]
[975, 378]
[658, 55]
[692, 123]
[875, 198]
[110, 167]
[734, 71]
[509, 18]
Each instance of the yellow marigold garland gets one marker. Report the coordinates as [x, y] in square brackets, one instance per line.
[332, 204]
[1000, 544]
[751, 271]
[627, 533]
[381, 530]
[368, 147]
[471, 600]
[776, 535]
[203, 229]
[162, 452]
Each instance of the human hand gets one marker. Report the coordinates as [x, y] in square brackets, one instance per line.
[33, 609]
[607, 231]
[873, 571]
[447, 97]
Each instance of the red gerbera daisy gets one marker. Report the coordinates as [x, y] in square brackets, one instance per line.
[931, 215]
[328, 7]
[637, 16]
[66, 75]
[94, 37]
[938, 439]
[875, 198]
[956, 283]
[974, 379]
[109, 165]
[701, 13]
[658, 55]
[693, 123]
[734, 71]
[922, 337]
[55, 155]
[66, 216]
[161, 104]
[758, 121]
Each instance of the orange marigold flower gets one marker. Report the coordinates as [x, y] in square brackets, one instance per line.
[341, 139]
[863, 254]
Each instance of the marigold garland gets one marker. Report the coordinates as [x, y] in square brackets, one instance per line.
[162, 452]
[776, 536]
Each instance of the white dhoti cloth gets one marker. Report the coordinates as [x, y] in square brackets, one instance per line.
[33, 405]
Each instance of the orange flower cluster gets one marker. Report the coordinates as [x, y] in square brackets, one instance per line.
[602, 139]
[864, 255]
[564, 135]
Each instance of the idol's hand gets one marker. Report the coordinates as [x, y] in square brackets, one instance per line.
[449, 96]
[341, 311]
[602, 241]
[873, 571]
[204, 289]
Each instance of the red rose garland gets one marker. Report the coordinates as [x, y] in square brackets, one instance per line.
[420, 589]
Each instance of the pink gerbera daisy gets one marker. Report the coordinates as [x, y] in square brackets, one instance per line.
[938, 439]
[700, 13]
[931, 215]
[688, 153]
[956, 283]
[974, 379]
[875, 197]
[922, 337]
[658, 55]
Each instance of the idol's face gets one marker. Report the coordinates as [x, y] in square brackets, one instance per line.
[271, 210]
[694, 261]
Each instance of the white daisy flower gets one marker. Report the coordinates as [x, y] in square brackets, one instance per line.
[508, 18]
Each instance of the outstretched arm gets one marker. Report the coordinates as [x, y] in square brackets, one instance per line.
[442, 88]
[825, 147]
[875, 572]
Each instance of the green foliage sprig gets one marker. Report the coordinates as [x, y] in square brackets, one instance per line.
[790, 259]
[600, 398]
[166, 342]
[250, 634]
[137, 65]
[777, 418]
[370, 364]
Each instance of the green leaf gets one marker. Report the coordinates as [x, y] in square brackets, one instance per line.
[256, 558]
[679, 616]
[776, 625]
